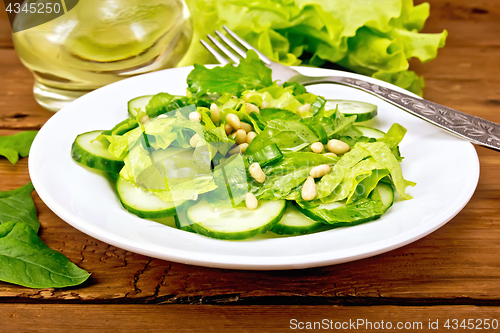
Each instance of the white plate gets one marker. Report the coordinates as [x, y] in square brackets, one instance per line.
[445, 168]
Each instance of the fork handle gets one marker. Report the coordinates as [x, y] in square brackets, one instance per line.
[476, 130]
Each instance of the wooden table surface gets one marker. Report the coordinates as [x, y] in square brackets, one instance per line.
[454, 273]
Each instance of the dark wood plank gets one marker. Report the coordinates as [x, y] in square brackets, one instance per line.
[18, 108]
[177, 318]
[5, 29]
[457, 264]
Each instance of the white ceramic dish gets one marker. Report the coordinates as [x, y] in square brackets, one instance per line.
[445, 168]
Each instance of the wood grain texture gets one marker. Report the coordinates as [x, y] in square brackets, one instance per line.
[5, 29]
[221, 319]
[457, 264]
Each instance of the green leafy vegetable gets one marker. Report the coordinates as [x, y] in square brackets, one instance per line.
[284, 177]
[371, 37]
[250, 74]
[345, 215]
[27, 261]
[287, 135]
[13, 146]
[17, 205]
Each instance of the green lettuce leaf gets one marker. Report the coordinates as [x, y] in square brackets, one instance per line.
[383, 155]
[13, 146]
[17, 205]
[372, 37]
[358, 165]
[25, 260]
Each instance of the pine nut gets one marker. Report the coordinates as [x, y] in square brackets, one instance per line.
[309, 189]
[249, 107]
[247, 96]
[304, 109]
[228, 129]
[320, 170]
[251, 201]
[337, 147]
[235, 150]
[317, 147]
[214, 113]
[240, 137]
[162, 116]
[195, 116]
[243, 147]
[234, 121]
[194, 140]
[246, 126]
[330, 154]
[264, 105]
[257, 173]
[251, 136]
[144, 119]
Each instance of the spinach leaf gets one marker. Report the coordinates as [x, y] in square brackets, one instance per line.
[288, 135]
[13, 146]
[27, 261]
[250, 74]
[356, 212]
[284, 177]
[17, 205]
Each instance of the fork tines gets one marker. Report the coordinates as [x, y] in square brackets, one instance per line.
[231, 46]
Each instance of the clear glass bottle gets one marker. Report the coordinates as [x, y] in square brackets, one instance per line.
[99, 42]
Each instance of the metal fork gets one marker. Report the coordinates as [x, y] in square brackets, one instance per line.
[476, 130]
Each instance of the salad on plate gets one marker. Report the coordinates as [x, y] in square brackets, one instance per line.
[240, 155]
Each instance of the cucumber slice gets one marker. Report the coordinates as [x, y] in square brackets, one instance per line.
[142, 202]
[234, 223]
[339, 214]
[92, 154]
[295, 223]
[138, 103]
[363, 111]
[385, 193]
[183, 224]
[370, 132]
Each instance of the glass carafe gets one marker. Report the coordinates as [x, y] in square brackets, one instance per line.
[99, 42]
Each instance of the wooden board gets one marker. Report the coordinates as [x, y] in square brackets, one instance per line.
[55, 318]
[452, 272]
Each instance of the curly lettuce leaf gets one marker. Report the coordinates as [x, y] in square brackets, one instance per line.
[372, 37]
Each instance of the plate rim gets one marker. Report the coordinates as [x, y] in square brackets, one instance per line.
[227, 261]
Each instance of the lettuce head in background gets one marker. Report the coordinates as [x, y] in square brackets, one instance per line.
[370, 37]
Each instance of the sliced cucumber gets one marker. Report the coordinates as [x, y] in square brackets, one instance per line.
[138, 103]
[385, 193]
[142, 202]
[183, 224]
[364, 111]
[295, 223]
[370, 132]
[341, 214]
[234, 223]
[90, 152]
